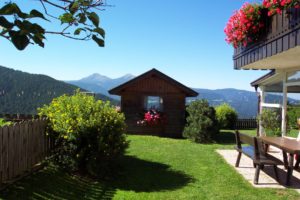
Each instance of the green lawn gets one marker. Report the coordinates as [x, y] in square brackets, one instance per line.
[292, 133]
[154, 168]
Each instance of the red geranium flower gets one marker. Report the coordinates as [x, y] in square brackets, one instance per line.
[152, 117]
[277, 6]
[244, 25]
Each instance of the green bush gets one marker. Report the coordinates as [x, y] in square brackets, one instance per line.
[271, 121]
[293, 114]
[88, 133]
[201, 122]
[226, 116]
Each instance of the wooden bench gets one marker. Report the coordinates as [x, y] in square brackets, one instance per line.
[255, 150]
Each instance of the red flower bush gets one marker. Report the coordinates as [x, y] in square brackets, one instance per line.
[276, 6]
[244, 25]
[152, 117]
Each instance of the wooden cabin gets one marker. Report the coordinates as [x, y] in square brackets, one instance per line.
[154, 90]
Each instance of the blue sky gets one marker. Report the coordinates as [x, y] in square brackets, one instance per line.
[183, 39]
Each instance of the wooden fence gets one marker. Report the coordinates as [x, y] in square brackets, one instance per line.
[22, 146]
[246, 124]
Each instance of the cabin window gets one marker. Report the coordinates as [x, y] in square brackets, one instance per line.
[154, 102]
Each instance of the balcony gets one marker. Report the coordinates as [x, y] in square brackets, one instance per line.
[278, 48]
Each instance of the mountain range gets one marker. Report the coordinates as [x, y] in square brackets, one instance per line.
[22, 92]
[244, 102]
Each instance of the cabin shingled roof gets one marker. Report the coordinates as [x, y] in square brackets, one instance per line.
[188, 91]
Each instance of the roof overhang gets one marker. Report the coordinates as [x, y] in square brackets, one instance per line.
[154, 72]
[273, 82]
[284, 60]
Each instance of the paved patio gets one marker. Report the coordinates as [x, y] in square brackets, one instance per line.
[267, 177]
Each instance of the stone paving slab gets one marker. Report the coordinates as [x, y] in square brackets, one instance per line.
[266, 177]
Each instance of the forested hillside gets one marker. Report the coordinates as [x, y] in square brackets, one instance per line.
[22, 92]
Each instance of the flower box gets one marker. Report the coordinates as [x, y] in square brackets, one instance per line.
[280, 34]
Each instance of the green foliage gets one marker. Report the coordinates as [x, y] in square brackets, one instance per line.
[293, 114]
[201, 123]
[271, 121]
[4, 123]
[226, 116]
[17, 26]
[87, 132]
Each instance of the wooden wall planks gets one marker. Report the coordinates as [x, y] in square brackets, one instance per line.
[22, 146]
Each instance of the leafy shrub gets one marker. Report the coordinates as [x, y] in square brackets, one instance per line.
[293, 114]
[88, 133]
[226, 116]
[271, 121]
[4, 123]
[201, 122]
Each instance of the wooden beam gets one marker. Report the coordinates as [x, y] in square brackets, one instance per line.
[262, 101]
[271, 105]
[284, 105]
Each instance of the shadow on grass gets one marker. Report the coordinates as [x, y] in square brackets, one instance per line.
[54, 184]
[146, 176]
[134, 175]
[225, 137]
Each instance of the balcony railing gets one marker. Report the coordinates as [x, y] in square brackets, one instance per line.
[282, 32]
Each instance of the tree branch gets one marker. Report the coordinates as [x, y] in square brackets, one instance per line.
[54, 4]
[67, 35]
[71, 14]
[46, 11]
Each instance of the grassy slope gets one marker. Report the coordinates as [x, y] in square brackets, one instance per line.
[154, 168]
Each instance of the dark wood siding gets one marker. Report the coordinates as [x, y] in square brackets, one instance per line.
[132, 104]
[282, 32]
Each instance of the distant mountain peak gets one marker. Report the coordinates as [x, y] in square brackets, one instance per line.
[128, 76]
[95, 75]
[101, 84]
[95, 78]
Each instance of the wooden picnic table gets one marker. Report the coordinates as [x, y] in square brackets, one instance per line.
[287, 145]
